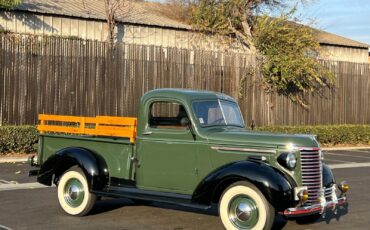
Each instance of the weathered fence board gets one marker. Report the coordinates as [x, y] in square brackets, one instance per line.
[56, 75]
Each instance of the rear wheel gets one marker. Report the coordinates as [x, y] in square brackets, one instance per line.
[73, 193]
[243, 206]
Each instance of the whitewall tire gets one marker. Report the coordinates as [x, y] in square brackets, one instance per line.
[243, 206]
[73, 193]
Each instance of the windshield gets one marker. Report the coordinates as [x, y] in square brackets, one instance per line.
[218, 112]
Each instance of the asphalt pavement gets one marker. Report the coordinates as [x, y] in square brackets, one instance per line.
[24, 205]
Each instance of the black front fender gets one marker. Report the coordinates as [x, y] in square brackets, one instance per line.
[327, 176]
[276, 187]
[94, 167]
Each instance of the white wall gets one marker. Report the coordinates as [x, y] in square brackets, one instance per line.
[345, 54]
[19, 22]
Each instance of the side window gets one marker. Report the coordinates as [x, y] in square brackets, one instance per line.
[166, 115]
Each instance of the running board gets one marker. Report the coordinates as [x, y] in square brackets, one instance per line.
[139, 194]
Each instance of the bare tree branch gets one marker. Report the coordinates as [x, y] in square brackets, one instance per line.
[114, 9]
[245, 39]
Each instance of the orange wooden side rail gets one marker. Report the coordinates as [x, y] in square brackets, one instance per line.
[99, 125]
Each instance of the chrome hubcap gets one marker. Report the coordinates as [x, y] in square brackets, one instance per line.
[74, 192]
[243, 212]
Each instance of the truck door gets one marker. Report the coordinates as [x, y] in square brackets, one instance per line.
[166, 151]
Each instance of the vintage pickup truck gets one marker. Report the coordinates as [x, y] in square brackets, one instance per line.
[189, 148]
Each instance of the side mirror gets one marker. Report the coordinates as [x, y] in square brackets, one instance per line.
[253, 125]
[185, 121]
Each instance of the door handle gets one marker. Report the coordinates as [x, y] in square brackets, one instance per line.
[147, 133]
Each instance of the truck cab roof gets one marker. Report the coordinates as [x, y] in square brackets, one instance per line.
[185, 94]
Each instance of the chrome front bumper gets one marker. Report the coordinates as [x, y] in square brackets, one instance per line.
[317, 208]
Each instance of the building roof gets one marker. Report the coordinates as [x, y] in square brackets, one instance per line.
[333, 39]
[140, 12]
[135, 12]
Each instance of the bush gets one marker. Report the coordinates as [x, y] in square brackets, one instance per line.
[23, 139]
[18, 139]
[328, 134]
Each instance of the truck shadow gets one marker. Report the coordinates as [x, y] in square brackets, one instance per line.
[213, 210]
[329, 216]
[109, 204]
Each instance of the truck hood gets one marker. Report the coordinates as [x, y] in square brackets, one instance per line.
[243, 137]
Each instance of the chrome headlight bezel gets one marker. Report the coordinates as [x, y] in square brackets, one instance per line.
[321, 155]
[288, 160]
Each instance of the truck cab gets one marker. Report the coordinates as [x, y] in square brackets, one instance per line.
[189, 148]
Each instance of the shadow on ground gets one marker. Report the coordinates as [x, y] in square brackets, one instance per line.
[327, 218]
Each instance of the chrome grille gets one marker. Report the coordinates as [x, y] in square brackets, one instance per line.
[328, 194]
[311, 173]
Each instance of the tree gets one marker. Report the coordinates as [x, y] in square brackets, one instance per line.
[179, 10]
[113, 10]
[9, 4]
[234, 17]
[290, 66]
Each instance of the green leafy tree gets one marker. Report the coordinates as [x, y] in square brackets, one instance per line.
[291, 66]
[290, 50]
[9, 4]
[231, 17]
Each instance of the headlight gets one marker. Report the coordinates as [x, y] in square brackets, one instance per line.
[288, 160]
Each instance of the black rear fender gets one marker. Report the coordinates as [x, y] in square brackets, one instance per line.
[94, 167]
[276, 187]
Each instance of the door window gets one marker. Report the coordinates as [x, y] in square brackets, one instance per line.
[167, 115]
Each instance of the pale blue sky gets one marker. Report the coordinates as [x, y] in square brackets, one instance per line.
[348, 18]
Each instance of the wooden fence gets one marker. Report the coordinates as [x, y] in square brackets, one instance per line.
[347, 103]
[64, 76]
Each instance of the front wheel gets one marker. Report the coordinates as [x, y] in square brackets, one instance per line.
[73, 193]
[243, 206]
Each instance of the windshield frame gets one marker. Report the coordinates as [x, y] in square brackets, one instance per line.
[218, 100]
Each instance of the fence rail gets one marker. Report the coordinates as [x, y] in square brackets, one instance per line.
[64, 76]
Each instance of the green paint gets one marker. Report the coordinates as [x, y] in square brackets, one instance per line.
[115, 151]
[171, 159]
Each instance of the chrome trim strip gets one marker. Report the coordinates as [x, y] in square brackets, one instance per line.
[222, 111]
[242, 149]
[309, 148]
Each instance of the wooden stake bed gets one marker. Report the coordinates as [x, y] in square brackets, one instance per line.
[99, 126]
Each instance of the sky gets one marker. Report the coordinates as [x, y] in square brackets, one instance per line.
[348, 18]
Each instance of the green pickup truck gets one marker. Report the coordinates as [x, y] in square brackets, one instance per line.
[189, 148]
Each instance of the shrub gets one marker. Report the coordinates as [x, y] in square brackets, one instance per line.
[23, 139]
[18, 139]
[328, 134]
